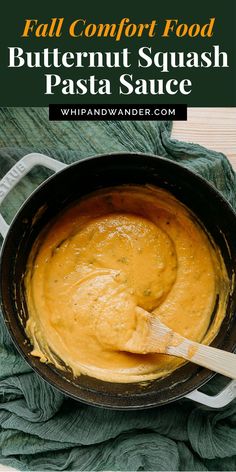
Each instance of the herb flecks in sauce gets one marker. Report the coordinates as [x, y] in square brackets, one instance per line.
[119, 251]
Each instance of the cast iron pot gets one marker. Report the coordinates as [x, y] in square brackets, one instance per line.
[69, 184]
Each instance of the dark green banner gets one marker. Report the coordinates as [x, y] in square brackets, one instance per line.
[125, 52]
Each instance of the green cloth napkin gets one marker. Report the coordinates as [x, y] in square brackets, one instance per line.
[40, 429]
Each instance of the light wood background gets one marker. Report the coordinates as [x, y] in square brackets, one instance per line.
[214, 128]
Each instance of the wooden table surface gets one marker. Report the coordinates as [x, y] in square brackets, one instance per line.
[214, 128]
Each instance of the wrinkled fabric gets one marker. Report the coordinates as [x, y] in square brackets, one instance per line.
[41, 429]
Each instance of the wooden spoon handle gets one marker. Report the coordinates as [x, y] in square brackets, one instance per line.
[212, 358]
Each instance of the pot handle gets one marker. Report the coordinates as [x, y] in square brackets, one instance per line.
[18, 171]
[215, 401]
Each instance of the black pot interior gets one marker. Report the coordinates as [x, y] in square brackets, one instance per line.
[69, 185]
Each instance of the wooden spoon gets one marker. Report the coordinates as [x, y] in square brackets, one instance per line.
[161, 339]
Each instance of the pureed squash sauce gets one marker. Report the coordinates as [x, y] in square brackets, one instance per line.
[112, 252]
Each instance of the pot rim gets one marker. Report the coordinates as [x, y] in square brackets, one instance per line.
[92, 397]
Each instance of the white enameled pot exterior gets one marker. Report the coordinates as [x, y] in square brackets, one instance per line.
[14, 176]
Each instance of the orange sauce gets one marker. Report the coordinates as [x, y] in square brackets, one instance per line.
[99, 261]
